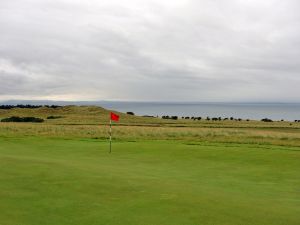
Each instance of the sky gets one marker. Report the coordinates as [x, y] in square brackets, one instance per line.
[150, 50]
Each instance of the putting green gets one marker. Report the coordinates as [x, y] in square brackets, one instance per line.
[56, 181]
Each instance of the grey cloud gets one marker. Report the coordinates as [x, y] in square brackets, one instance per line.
[150, 50]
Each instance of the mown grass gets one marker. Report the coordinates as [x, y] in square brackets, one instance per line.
[57, 181]
[160, 172]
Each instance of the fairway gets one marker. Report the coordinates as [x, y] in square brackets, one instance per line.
[52, 181]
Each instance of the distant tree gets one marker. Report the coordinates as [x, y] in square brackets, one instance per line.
[27, 106]
[267, 120]
[53, 117]
[130, 113]
[23, 119]
[174, 117]
[207, 118]
[187, 117]
[231, 118]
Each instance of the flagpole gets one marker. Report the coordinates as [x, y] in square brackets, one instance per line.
[110, 136]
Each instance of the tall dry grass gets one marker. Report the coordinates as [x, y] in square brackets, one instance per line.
[284, 136]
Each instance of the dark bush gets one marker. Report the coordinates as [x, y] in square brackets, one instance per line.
[267, 120]
[130, 113]
[23, 119]
[53, 117]
[27, 106]
[170, 117]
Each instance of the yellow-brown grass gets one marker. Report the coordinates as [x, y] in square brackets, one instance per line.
[287, 137]
[92, 122]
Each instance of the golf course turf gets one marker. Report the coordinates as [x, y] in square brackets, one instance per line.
[76, 181]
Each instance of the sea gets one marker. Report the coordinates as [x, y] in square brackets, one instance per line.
[255, 111]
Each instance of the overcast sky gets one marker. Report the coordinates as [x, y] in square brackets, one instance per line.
[150, 50]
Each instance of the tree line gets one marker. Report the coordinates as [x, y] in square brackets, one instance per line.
[28, 106]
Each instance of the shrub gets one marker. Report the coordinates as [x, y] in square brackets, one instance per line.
[27, 106]
[130, 113]
[53, 117]
[267, 120]
[170, 117]
[23, 119]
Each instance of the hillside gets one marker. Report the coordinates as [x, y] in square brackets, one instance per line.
[93, 115]
[92, 122]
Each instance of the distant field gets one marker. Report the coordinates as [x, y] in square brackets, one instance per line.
[92, 122]
[165, 172]
[92, 115]
[57, 181]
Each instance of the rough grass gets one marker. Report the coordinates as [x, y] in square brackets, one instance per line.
[56, 181]
[283, 136]
[92, 115]
[92, 122]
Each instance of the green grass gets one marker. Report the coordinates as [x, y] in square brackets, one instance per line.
[75, 181]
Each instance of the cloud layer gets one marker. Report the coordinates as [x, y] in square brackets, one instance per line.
[195, 50]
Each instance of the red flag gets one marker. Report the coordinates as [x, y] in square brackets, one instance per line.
[114, 117]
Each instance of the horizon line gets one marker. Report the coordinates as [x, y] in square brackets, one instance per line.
[147, 101]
